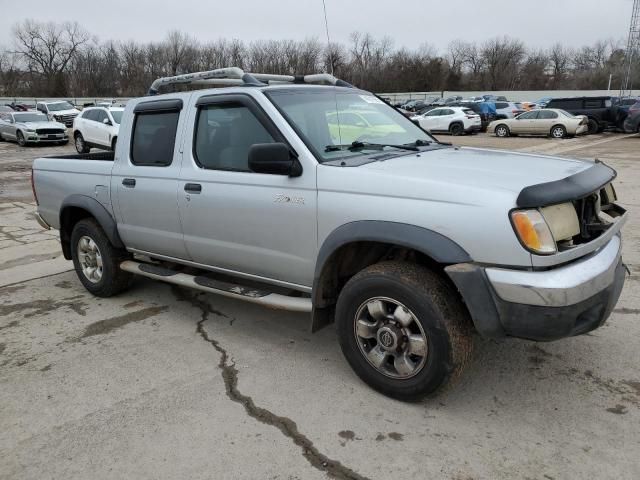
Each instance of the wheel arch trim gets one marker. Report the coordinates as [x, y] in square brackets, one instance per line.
[436, 246]
[95, 210]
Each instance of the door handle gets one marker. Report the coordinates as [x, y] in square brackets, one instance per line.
[129, 182]
[192, 187]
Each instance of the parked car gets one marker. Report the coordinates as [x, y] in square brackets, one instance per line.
[596, 109]
[554, 123]
[407, 243]
[6, 109]
[494, 98]
[60, 111]
[31, 127]
[507, 109]
[541, 103]
[483, 109]
[97, 127]
[634, 108]
[632, 123]
[453, 120]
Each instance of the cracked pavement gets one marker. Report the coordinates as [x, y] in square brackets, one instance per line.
[163, 382]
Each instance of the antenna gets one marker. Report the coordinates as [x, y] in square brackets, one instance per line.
[633, 45]
[326, 27]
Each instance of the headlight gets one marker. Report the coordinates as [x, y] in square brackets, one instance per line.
[533, 231]
[29, 130]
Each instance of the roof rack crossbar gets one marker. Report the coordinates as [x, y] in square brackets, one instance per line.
[237, 76]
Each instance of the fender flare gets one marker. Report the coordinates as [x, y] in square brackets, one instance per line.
[433, 244]
[97, 211]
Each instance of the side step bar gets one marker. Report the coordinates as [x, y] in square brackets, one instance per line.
[206, 284]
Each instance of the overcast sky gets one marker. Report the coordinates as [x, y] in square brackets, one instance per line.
[409, 23]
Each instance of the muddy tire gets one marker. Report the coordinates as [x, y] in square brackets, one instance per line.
[382, 314]
[96, 261]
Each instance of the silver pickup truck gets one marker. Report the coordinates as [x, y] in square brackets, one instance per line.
[307, 194]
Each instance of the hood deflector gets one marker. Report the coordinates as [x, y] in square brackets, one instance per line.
[568, 189]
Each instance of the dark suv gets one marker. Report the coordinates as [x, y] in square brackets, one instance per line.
[598, 110]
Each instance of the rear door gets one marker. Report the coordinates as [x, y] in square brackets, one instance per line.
[546, 120]
[236, 220]
[445, 118]
[100, 129]
[145, 179]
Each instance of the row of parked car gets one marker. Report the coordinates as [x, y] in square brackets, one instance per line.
[555, 117]
[47, 123]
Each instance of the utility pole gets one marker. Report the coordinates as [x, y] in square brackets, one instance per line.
[633, 48]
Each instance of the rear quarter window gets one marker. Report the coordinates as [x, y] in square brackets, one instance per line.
[154, 138]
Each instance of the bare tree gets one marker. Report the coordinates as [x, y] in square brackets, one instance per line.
[47, 50]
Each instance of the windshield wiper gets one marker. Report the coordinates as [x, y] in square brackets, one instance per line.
[355, 146]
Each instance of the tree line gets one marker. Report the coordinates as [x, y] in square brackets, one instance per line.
[65, 60]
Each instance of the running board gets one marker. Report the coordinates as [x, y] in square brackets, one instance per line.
[226, 289]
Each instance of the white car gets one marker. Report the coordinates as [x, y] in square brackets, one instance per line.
[97, 127]
[454, 120]
[59, 111]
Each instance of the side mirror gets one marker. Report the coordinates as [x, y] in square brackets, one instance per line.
[273, 158]
[106, 121]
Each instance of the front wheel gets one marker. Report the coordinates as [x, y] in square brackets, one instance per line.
[96, 261]
[593, 126]
[21, 140]
[502, 131]
[403, 329]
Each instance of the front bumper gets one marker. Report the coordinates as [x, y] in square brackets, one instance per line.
[543, 305]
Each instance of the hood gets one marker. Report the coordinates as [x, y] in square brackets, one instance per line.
[36, 125]
[456, 175]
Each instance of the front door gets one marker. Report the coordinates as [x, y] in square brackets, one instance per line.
[236, 220]
[145, 180]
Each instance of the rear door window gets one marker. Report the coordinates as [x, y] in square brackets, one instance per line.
[547, 115]
[154, 138]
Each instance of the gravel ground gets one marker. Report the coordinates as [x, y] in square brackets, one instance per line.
[167, 383]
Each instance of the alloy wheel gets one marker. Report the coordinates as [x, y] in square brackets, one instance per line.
[390, 338]
[90, 259]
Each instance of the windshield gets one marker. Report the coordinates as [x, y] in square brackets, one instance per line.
[30, 117]
[56, 107]
[326, 117]
[117, 115]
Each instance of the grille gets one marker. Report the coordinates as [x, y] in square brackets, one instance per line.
[66, 119]
[49, 131]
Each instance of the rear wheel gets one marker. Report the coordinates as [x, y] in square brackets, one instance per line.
[403, 329]
[593, 126]
[21, 140]
[502, 131]
[558, 131]
[81, 146]
[96, 261]
[456, 129]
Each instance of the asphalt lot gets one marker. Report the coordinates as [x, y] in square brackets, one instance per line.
[167, 383]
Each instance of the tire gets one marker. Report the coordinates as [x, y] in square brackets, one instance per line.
[107, 279]
[20, 138]
[113, 144]
[558, 131]
[81, 146]
[593, 126]
[437, 314]
[502, 131]
[456, 129]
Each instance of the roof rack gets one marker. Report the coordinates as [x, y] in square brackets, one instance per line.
[236, 76]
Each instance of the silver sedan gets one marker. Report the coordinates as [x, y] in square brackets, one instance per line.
[31, 127]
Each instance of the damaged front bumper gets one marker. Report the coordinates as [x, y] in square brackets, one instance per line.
[543, 305]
